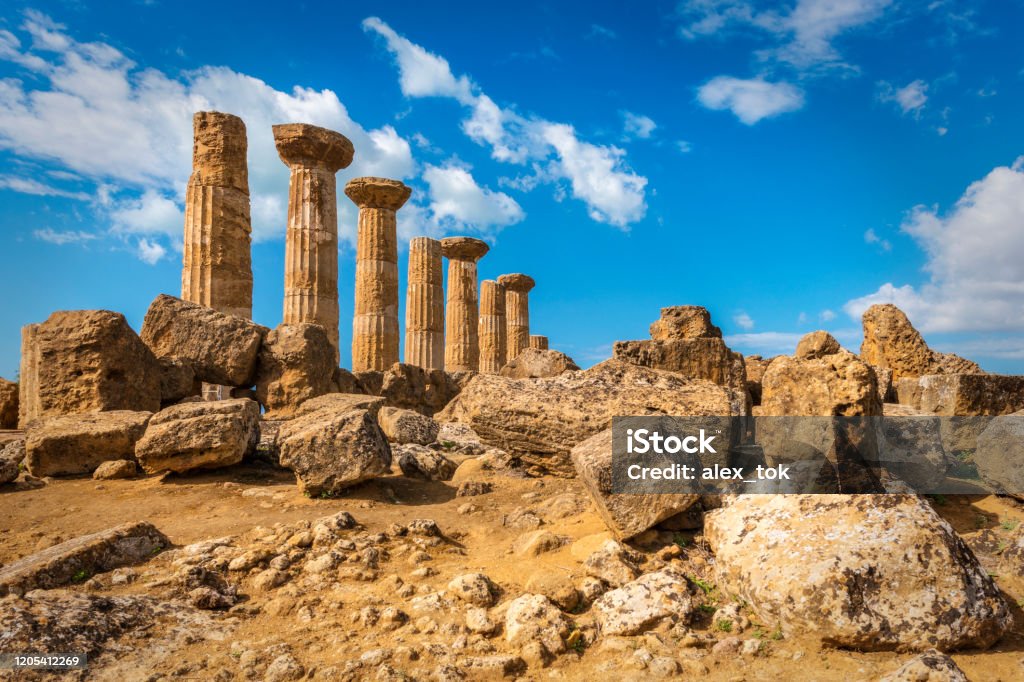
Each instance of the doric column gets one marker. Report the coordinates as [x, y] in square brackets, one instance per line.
[216, 260]
[29, 405]
[375, 325]
[424, 305]
[538, 342]
[314, 155]
[492, 327]
[462, 342]
[517, 312]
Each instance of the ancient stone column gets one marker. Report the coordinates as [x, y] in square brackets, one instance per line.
[462, 341]
[538, 342]
[314, 155]
[517, 312]
[216, 261]
[29, 404]
[375, 325]
[424, 305]
[492, 327]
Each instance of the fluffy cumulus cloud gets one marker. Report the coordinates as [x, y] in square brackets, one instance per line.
[457, 200]
[975, 273]
[637, 126]
[910, 99]
[743, 320]
[122, 134]
[751, 100]
[597, 175]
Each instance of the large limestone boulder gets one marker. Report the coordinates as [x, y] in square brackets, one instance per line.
[542, 420]
[177, 381]
[12, 454]
[533, 363]
[8, 404]
[625, 515]
[414, 388]
[866, 572]
[296, 363]
[890, 341]
[221, 349]
[199, 435]
[77, 444]
[330, 451]
[825, 381]
[1000, 454]
[86, 361]
[644, 603]
[405, 426]
[970, 395]
[339, 403]
[685, 341]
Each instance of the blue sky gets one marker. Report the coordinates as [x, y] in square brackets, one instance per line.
[783, 163]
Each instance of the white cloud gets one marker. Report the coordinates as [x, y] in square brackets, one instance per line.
[804, 34]
[456, 199]
[597, 174]
[764, 343]
[684, 147]
[150, 252]
[911, 98]
[827, 315]
[743, 320]
[871, 237]
[30, 186]
[66, 237]
[976, 273]
[637, 126]
[599, 31]
[94, 113]
[751, 100]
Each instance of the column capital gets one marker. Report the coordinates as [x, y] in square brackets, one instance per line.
[517, 281]
[302, 144]
[370, 192]
[464, 248]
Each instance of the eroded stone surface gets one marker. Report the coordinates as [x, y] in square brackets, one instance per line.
[77, 444]
[296, 363]
[534, 363]
[833, 384]
[643, 603]
[406, 426]
[8, 404]
[199, 435]
[966, 395]
[424, 305]
[684, 322]
[891, 341]
[462, 314]
[517, 312]
[493, 331]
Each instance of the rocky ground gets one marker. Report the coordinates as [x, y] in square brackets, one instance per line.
[400, 578]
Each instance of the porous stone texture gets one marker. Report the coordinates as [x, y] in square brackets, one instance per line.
[424, 305]
[517, 312]
[313, 156]
[969, 395]
[77, 444]
[999, 453]
[816, 345]
[417, 461]
[891, 341]
[296, 363]
[908, 392]
[82, 558]
[8, 404]
[625, 515]
[930, 666]
[118, 468]
[405, 426]
[689, 344]
[216, 260]
[493, 334]
[644, 603]
[538, 342]
[199, 435]
[886, 390]
[684, 322]
[912, 451]
[85, 361]
[375, 325]
[536, 364]
[340, 403]
[330, 452]
[461, 322]
[542, 420]
[177, 381]
[414, 388]
[220, 349]
[533, 618]
[12, 455]
[821, 384]
[867, 572]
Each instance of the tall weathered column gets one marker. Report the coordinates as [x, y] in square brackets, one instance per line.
[424, 305]
[29, 405]
[216, 260]
[314, 155]
[462, 341]
[517, 312]
[375, 325]
[538, 342]
[492, 327]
